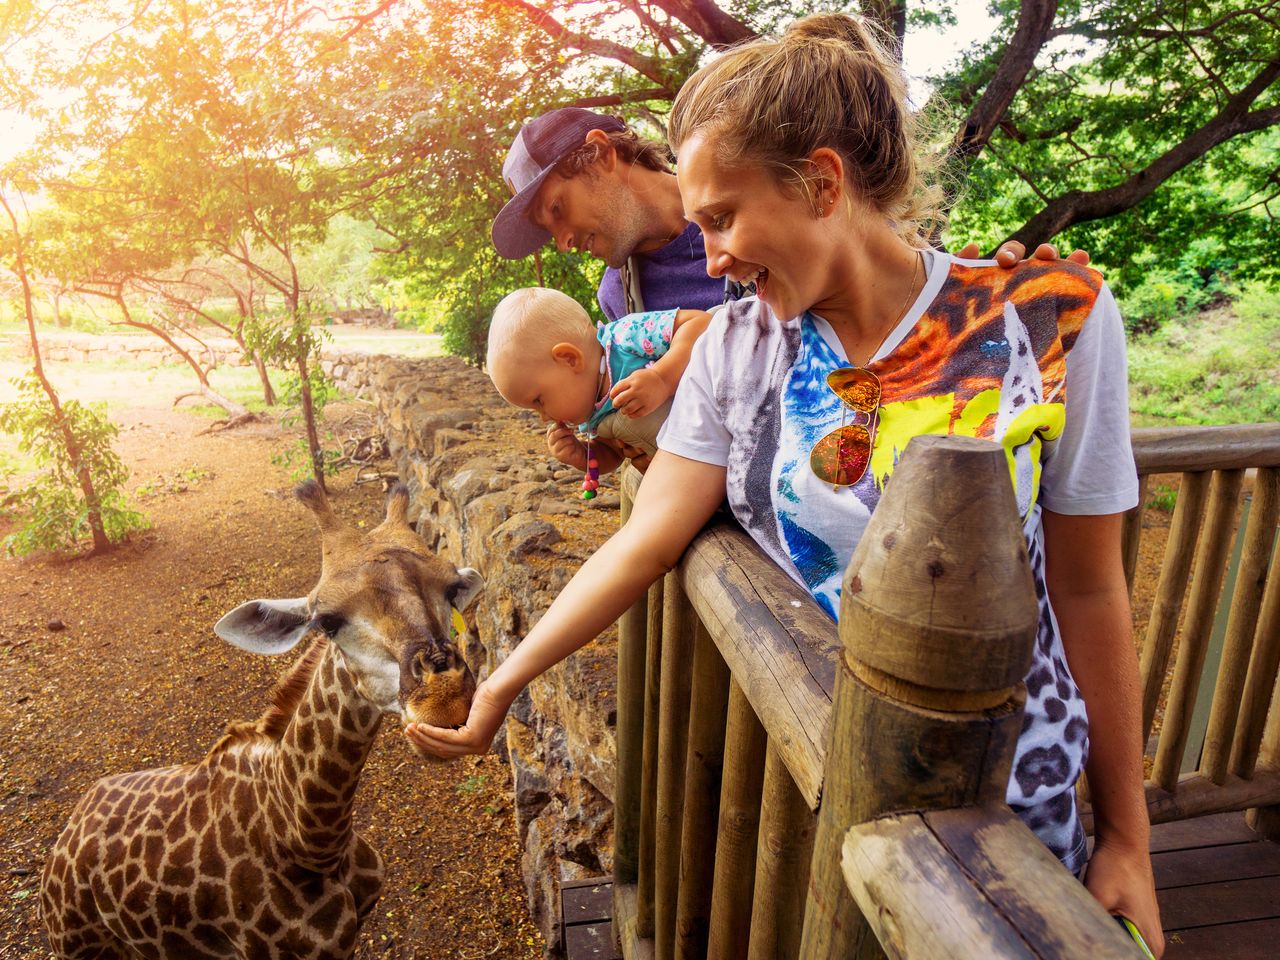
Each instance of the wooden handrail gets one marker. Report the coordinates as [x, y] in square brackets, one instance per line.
[779, 644]
[1193, 449]
[971, 884]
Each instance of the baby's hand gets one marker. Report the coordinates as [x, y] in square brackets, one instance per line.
[565, 446]
[640, 394]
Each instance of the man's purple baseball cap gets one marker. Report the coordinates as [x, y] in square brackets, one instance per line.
[538, 147]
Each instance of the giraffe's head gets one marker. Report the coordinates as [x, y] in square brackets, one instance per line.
[387, 602]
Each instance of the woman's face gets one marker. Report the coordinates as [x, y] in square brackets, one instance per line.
[755, 229]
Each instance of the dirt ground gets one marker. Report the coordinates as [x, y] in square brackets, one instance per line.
[137, 679]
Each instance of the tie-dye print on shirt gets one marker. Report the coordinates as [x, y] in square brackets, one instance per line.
[985, 353]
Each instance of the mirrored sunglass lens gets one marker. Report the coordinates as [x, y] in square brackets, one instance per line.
[855, 386]
[841, 457]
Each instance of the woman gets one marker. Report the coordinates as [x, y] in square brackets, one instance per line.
[796, 160]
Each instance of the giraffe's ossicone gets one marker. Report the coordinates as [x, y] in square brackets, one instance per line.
[251, 853]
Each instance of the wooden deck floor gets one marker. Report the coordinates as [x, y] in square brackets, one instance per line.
[1217, 882]
[1219, 889]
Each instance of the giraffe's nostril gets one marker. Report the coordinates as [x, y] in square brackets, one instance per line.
[417, 666]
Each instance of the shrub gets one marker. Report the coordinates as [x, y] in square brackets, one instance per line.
[52, 511]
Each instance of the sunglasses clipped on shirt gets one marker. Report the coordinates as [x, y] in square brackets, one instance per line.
[842, 456]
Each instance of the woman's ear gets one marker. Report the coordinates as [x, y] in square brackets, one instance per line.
[826, 180]
[570, 355]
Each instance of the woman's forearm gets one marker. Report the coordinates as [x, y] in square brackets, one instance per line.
[1105, 666]
[675, 500]
[610, 581]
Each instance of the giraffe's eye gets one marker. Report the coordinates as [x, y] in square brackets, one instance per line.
[330, 623]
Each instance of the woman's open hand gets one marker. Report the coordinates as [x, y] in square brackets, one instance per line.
[475, 736]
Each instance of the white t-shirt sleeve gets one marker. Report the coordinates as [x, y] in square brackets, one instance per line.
[695, 427]
[1090, 469]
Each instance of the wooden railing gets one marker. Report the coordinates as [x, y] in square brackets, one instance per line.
[789, 790]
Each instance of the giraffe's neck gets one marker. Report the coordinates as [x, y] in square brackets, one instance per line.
[318, 765]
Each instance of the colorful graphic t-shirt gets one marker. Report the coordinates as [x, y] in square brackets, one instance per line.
[1031, 358]
[631, 343]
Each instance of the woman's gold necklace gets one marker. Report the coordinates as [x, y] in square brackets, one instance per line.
[912, 293]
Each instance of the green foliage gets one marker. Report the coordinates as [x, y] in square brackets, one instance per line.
[296, 458]
[1119, 88]
[1214, 366]
[1173, 287]
[323, 389]
[54, 513]
[1164, 498]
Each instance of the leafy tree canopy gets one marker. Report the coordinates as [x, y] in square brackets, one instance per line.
[225, 127]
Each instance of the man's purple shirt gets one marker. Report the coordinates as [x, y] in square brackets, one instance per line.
[673, 277]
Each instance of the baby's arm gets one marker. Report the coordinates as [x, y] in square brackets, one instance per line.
[646, 390]
[564, 445]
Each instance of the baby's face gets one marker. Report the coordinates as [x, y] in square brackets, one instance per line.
[555, 390]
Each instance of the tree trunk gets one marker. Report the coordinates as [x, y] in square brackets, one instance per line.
[268, 392]
[309, 414]
[891, 15]
[93, 506]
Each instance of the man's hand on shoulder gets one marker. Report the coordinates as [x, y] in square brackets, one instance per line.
[1011, 253]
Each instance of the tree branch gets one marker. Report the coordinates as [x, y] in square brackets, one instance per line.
[708, 21]
[646, 66]
[1077, 206]
[631, 96]
[1034, 22]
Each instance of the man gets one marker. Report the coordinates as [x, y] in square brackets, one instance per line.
[588, 182]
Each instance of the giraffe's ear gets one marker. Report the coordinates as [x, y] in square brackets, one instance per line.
[269, 627]
[469, 584]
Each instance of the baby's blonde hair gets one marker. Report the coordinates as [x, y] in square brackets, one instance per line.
[535, 319]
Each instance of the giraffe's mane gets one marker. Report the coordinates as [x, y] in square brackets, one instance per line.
[285, 697]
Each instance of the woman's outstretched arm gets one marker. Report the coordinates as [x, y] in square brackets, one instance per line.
[678, 496]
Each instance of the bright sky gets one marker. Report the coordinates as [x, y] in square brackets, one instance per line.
[925, 53]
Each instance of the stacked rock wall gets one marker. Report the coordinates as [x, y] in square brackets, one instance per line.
[485, 493]
[83, 347]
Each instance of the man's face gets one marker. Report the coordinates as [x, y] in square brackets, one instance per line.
[594, 212]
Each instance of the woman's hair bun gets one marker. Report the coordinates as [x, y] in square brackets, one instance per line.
[830, 26]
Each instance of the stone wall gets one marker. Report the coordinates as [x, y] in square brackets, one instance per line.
[83, 347]
[485, 493]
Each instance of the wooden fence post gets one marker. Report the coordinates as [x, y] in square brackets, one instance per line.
[630, 734]
[938, 618]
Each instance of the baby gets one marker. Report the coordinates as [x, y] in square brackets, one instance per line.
[613, 384]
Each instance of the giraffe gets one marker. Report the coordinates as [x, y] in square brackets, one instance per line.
[250, 853]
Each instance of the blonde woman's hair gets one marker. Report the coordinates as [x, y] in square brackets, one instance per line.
[829, 81]
[534, 319]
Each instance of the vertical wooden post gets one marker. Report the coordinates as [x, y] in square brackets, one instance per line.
[929, 692]
[1263, 665]
[1131, 535]
[708, 703]
[1211, 562]
[783, 855]
[649, 775]
[1175, 570]
[678, 624]
[738, 830]
[1266, 820]
[1246, 602]
[630, 735]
